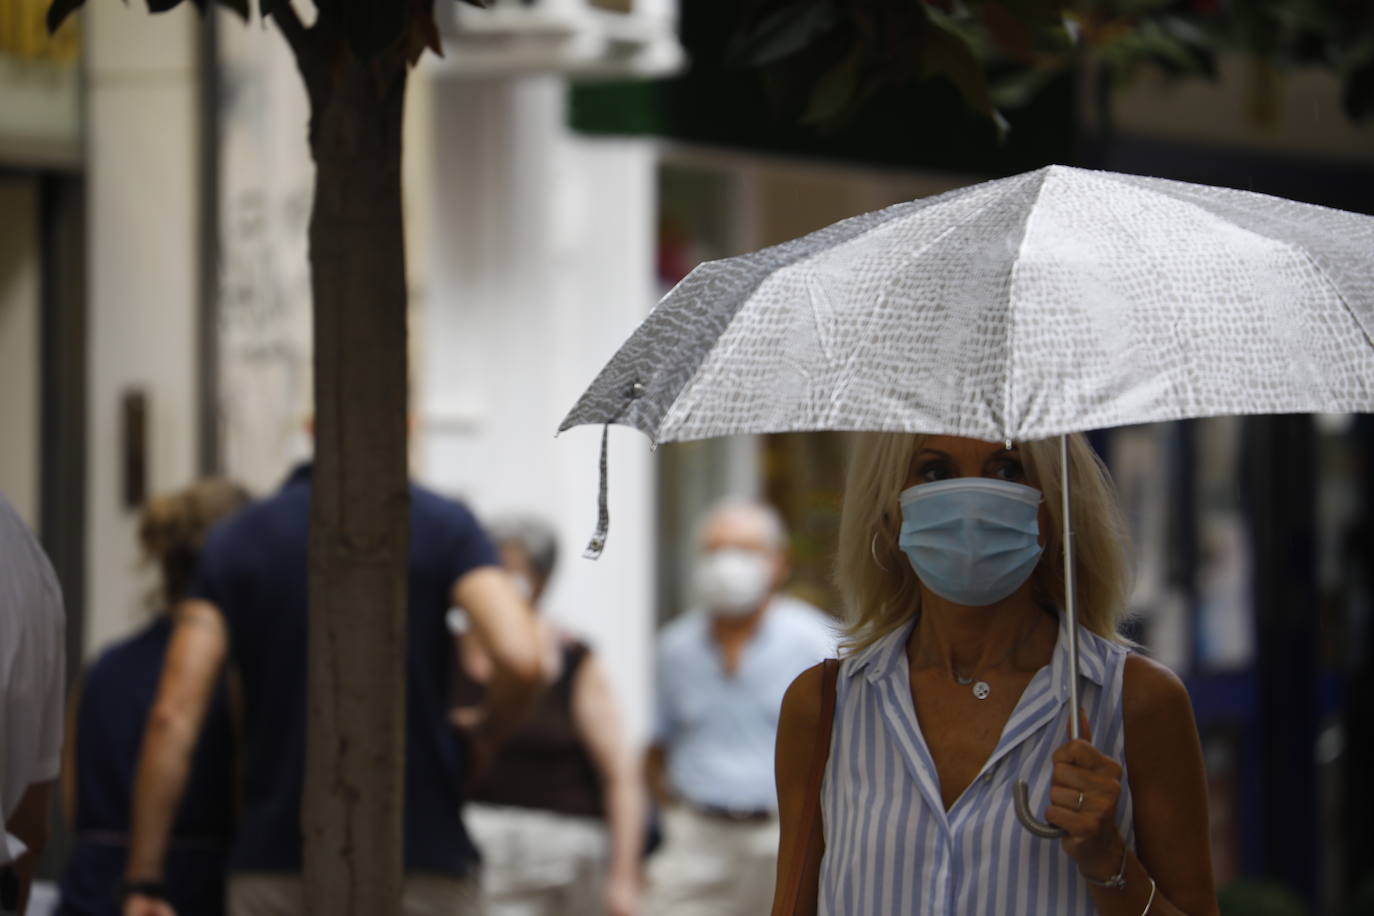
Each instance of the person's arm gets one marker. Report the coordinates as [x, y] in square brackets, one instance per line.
[797, 724]
[597, 720]
[29, 822]
[67, 781]
[505, 627]
[1169, 790]
[194, 657]
[664, 724]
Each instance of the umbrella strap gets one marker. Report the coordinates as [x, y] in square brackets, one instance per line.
[603, 514]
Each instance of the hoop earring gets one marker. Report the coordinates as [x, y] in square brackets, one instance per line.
[873, 549]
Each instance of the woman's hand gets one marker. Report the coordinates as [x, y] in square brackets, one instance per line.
[1083, 796]
[622, 897]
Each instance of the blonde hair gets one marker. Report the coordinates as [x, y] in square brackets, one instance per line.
[880, 589]
[173, 527]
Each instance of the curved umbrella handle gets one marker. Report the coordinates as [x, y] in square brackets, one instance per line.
[1022, 793]
[1023, 814]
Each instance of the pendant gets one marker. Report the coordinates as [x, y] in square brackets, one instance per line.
[981, 690]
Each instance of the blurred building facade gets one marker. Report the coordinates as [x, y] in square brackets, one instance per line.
[154, 325]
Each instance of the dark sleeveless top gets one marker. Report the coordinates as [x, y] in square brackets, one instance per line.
[544, 764]
[116, 697]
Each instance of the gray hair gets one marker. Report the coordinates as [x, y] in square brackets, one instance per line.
[534, 536]
[774, 529]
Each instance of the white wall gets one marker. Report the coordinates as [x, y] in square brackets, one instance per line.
[142, 280]
[19, 347]
[542, 263]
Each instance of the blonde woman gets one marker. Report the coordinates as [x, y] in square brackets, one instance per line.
[955, 686]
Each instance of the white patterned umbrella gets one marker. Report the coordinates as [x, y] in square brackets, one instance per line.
[1055, 301]
[1049, 302]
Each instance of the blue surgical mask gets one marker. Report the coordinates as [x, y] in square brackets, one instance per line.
[972, 540]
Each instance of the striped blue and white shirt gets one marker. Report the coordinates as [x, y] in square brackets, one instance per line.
[891, 848]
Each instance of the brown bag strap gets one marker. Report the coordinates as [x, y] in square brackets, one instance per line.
[810, 843]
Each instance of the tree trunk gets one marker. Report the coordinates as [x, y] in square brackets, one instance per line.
[359, 527]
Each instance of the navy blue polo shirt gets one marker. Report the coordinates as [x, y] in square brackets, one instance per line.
[254, 569]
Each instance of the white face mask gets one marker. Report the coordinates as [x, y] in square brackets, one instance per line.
[732, 582]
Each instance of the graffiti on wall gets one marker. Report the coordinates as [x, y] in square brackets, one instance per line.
[266, 180]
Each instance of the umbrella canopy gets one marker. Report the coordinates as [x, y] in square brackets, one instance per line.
[1054, 301]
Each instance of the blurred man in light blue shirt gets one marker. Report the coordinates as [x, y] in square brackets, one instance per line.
[722, 669]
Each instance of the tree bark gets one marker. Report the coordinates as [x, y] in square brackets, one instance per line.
[359, 530]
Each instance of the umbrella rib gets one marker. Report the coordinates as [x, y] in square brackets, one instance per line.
[1340, 297]
[1340, 294]
[1008, 401]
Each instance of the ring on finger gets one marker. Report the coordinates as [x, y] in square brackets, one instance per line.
[1078, 805]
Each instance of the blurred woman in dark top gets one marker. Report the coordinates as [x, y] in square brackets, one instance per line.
[559, 813]
[105, 732]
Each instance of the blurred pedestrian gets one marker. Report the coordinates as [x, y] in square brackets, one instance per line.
[108, 711]
[957, 690]
[722, 670]
[559, 816]
[249, 599]
[32, 682]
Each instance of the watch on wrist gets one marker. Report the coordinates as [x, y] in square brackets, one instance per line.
[154, 889]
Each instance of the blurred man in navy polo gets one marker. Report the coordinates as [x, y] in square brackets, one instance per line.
[249, 604]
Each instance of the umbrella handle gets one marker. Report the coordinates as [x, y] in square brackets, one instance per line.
[1022, 795]
[1023, 814]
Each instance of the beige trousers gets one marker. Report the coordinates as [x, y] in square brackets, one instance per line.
[424, 895]
[711, 866]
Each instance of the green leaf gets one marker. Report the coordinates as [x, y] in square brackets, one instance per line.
[835, 91]
[1010, 32]
[1022, 85]
[60, 10]
[783, 32]
[948, 55]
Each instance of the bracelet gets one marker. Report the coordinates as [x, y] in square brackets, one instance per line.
[1117, 881]
[1149, 903]
[154, 889]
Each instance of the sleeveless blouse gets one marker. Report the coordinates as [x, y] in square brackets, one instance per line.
[544, 763]
[891, 848]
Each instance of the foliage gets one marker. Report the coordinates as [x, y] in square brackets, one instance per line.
[370, 27]
[1259, 897]
[823, 59]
